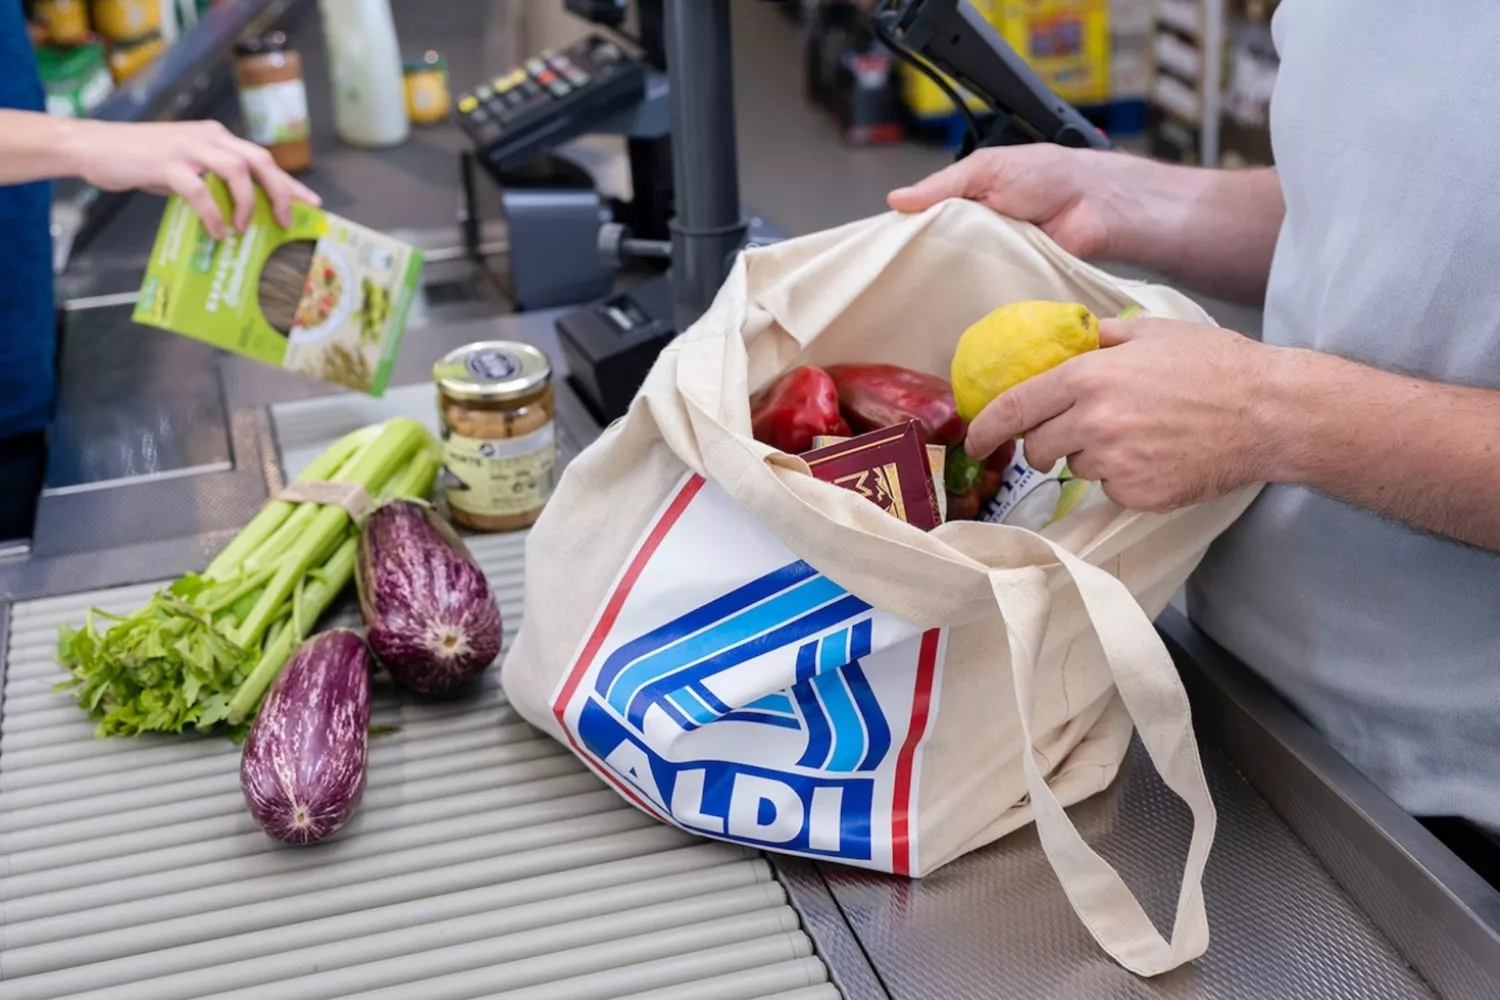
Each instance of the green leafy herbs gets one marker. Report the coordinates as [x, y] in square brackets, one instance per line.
[202, 652]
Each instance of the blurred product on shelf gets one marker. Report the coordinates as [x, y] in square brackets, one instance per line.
[1253, 64]
[64, 22]
[128, 60]
[851, 74]
[1096, 54]
[1186, 89]
[273, 99]
[868, 104]
[1130, 61]
[428, 99]
[124, 22]
[364, 60]
[76, 79]
[1067, 42]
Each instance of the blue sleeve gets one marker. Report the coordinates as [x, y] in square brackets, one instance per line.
[27, 313]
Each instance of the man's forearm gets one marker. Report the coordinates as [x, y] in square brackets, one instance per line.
[1212, 229]
[1422, 452]
[36, 147]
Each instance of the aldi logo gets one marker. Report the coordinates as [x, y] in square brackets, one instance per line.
[730, 689]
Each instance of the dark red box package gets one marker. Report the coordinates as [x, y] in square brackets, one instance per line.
[888, 467]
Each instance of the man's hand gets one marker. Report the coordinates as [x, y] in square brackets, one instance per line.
[1211, 229]
[1071, 195]
[1163, 415]
[171, 157]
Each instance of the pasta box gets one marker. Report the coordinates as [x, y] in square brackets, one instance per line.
[323, 297]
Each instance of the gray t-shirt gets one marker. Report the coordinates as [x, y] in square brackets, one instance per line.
[1386, 639]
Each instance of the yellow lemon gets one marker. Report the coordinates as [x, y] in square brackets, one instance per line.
[1015, 342]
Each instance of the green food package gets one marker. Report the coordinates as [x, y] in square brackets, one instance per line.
[324, 297]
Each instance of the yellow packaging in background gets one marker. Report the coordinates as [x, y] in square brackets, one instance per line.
[1065, 41]
[925, 100]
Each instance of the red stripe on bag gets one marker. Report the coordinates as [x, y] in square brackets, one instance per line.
[606, 622]
[622, 591]
[921, 706]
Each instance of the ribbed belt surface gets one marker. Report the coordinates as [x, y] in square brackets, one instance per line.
[483, 861]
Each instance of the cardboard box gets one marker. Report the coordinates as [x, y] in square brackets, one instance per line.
[325, 297]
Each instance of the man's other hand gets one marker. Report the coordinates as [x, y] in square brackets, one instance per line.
[1163, 415]
[1075, 196]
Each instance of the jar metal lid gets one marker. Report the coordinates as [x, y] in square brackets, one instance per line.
[266, 44]
[428, 60]
[492, 371]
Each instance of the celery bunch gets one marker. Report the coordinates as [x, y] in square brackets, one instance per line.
[204, 651]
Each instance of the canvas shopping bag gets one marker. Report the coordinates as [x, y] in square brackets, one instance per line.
[758, 656]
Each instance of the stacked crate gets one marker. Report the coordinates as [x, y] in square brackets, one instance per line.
[1249, 80]
[1131, 25]
[1186, 91]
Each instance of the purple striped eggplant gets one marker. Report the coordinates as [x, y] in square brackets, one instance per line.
[303, 766]
[433, 620]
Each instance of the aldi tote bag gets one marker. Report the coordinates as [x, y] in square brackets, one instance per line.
[758, 656]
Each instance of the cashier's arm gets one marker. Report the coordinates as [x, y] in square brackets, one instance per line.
[160, 157]
[1214, 230]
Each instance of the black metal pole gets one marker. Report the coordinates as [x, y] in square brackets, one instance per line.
[708, 226]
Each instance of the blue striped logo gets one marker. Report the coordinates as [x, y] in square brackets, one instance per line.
[793, 608]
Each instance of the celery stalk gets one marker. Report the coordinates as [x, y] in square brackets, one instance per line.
[212, 642]
[316, 595]
[271, 517]
[322, 585]
[399, 441]
[285, 537]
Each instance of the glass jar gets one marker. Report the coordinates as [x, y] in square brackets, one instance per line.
[66, 21]
[127, 62]
[126, 21]
[273, 100]
[495, 408]
[427, 97]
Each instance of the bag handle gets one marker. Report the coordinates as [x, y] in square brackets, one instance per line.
[1156, 701]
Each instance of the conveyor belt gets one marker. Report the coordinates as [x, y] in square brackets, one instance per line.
[484, 861]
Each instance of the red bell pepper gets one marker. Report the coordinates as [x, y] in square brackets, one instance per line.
[875, 396]
[963, 473]
[993, 473]
[964, 506]
[800, 405]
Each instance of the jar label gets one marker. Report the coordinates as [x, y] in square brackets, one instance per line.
[498, 478]
[275, 112]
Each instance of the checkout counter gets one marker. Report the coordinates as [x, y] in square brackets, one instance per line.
[486, 861]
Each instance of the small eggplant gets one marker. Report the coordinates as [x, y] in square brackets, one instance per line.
[434, 622]
[303, 766]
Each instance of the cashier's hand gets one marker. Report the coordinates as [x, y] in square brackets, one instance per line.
[171, 158]
[1164, 415]
[1075, 196]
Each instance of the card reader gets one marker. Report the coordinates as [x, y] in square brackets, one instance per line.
[548, 100]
